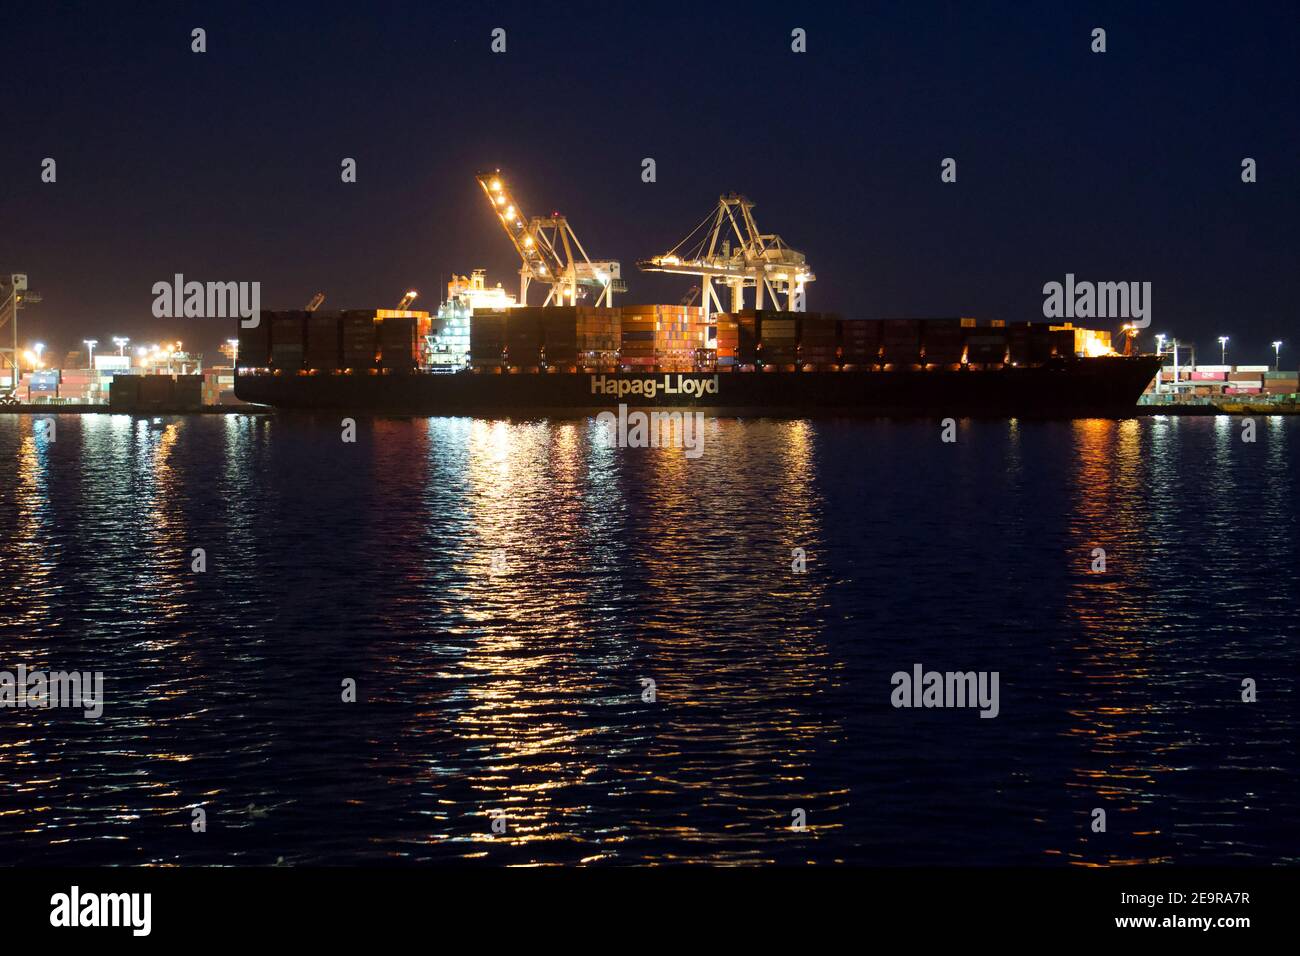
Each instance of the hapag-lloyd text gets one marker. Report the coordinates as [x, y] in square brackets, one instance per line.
[669, 383]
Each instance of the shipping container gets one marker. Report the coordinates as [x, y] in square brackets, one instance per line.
[399, 342]
[324, 347]
[860, 341]
[359, 339]
[942, 341]
[986, 348]
[255, 343]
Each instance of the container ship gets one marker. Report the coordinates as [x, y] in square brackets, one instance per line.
[485, 351]
[572, 359]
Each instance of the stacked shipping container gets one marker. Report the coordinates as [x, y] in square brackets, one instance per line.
[324, 348]
[778, 340]
[637, 337]
[524, 339]
[399, 343]
[726, 333]
[860, 343]
[487, 341]
[668, 338]
[583, 337]
[288, 339]
[358, 339]
[156, 392]
[818, 341]
[901, 342]
[943, 341]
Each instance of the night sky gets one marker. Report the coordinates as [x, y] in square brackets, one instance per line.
[225, 165]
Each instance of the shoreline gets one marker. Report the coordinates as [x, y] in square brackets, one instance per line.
[1138, 411]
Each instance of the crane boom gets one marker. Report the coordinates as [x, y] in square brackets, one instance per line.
[549, 250]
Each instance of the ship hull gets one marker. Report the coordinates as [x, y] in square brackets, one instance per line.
[1072, 388]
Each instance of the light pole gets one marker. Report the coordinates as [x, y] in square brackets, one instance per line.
[1223, 350]
[90, 347]
[40, 350]
[121, 342]
[1277, 356]
[1160, 351]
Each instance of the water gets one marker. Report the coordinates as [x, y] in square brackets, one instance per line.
[521, 690]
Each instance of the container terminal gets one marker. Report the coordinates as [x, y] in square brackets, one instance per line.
[487, 349]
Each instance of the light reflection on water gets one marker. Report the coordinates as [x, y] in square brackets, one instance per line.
[519, 687]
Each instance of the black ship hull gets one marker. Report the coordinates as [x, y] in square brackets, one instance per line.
[1080, 387]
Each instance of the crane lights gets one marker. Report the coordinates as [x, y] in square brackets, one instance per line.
[550, 251]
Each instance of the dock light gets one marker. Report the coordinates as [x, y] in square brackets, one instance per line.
[40, 348]
[1277, 356]
[121, 342]
[1223, 350]
[1160, 344]
[90, 348]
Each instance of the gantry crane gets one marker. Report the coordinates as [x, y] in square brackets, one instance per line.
[547, 244]
[14, 295]
[761, 261]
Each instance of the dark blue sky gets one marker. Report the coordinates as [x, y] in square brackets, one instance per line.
[1122, 166]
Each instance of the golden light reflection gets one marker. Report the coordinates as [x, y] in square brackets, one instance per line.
[1122, 758]
[530, 653]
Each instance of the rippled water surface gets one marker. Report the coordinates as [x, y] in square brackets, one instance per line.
[521, 688]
